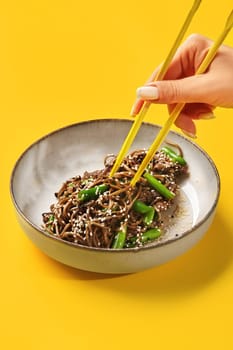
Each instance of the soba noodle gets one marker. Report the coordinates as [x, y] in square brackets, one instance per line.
[94, 218]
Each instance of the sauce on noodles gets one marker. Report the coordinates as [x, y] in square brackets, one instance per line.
[106, 212]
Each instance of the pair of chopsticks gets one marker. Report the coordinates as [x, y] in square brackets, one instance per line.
[139, 118]
[175, 113]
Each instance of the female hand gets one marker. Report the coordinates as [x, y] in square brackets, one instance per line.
[201, 93]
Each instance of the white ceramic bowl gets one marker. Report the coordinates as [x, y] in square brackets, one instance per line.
[69, 151]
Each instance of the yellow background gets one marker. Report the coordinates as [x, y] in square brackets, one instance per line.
[66, 61]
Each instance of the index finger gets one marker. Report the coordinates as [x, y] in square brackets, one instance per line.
[138, 103]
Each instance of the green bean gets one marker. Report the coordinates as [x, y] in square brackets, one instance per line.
[146, 210]
[119, 239]
[91, 193]
[51, 219]
[150, 235]
[149, 217]
[162, 189]
[140, 207]
[174, 156]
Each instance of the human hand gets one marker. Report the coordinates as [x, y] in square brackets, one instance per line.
[201, 93]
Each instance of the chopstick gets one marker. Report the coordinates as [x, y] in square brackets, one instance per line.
[139, 118]
[175, 113]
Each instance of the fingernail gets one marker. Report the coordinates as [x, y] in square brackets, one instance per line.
[207, 116]
[148, 92]
[136, 107]
[132, 112]
[189, 134]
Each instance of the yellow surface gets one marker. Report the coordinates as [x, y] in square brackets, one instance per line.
[67, 61]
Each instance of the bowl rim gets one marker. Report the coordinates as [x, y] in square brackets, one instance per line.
[112, 250]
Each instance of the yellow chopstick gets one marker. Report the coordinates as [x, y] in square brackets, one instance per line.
[175, 113]
[139, 118]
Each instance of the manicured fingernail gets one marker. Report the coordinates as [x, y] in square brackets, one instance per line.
[189, 134]
[136, 107]
[148, 92]
[207, 116]
[133, 112]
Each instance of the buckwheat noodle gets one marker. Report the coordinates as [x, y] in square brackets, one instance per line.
[94, 222]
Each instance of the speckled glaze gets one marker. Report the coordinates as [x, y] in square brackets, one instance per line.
[69, 151]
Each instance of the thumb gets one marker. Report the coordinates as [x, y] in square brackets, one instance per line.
[191, 89]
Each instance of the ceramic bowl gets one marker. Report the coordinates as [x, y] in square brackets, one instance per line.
[64, 153]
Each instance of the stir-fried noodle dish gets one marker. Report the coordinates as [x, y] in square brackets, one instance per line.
[100, 211]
